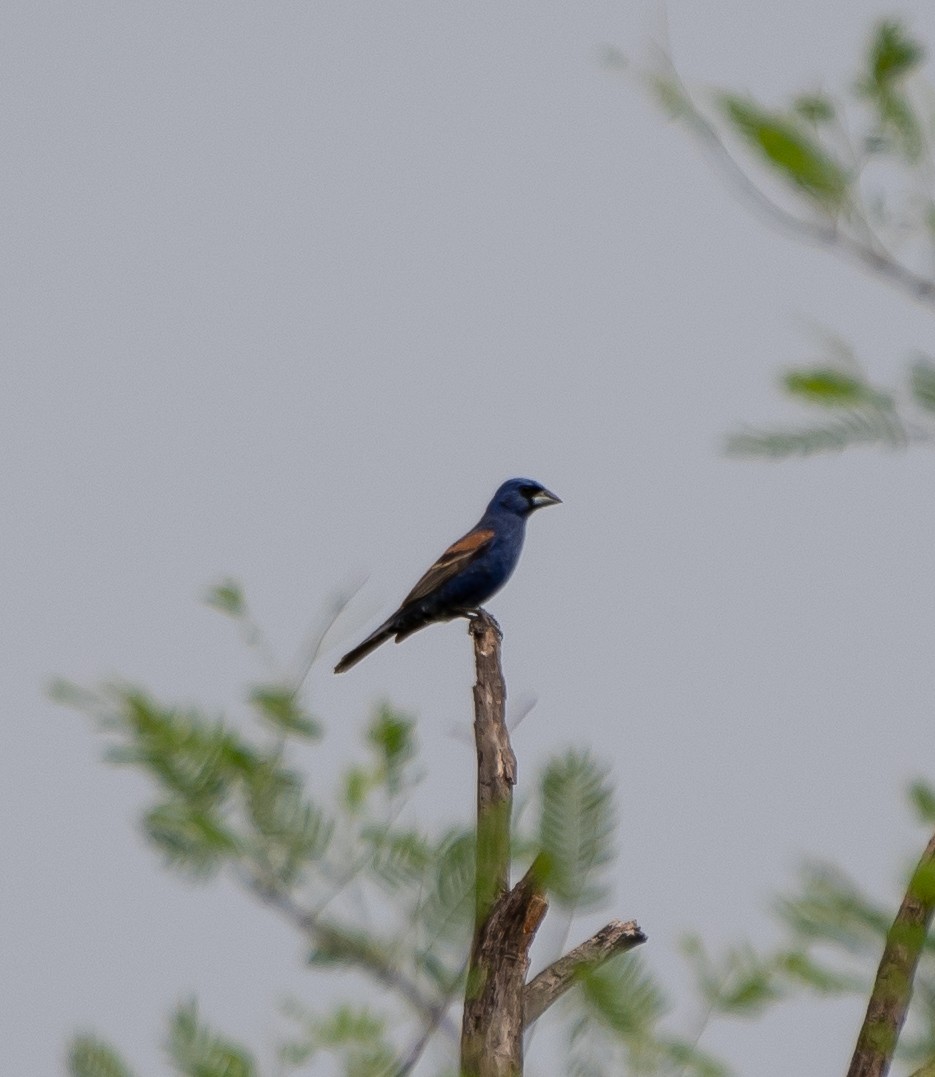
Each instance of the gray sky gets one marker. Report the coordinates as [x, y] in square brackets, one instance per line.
[289, 289]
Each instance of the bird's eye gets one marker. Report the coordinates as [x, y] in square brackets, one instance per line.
[529, 491]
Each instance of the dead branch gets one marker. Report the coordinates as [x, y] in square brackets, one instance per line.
[615, 938]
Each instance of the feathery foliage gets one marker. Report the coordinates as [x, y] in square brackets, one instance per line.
[355, 1036]
[855, 172]
[230, 796]
[576, 828]
[89, 1057]
[196, 1051]
[616, 1028]
[858, 413]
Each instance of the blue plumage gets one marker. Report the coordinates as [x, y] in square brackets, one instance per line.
[469, 572]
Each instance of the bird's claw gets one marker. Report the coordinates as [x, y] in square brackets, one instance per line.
[480, 618]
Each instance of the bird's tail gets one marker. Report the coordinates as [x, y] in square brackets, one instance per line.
[371, 643]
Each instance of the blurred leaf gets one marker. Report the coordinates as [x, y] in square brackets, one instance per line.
[391, 735]
[192, 840]
[826, 386]
[797, 966]
[922, 798]
[293, 831]
[280, 707]
[740, 982]
[357, 785]
[623, 995]
[187, 753]
[68, 694]
[626, 1036]
[397, 857]
[446, 908]
[337, 944]
[922, 383]
[829, 908]
[227, 598]
[688, 1060]
[893, 53]
[355, 1035]
[91, 1057]
[814, 107]
[866, 426]
[196, 1051]
[576, 828]
[671, 95]
[791, 151]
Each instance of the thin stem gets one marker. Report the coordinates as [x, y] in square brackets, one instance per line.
[356, 952]
[892, 989]
[830, 233]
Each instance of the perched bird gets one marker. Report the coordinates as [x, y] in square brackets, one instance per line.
[468, 572]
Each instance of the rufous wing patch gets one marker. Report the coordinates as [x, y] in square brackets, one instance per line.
[469, 544]
[456, 557]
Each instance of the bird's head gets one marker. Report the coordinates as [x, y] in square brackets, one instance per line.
[523, 496]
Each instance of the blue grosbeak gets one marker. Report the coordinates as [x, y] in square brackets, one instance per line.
[468, 572]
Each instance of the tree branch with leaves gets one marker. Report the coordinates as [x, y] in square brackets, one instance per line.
[229, 797]
[854, 173]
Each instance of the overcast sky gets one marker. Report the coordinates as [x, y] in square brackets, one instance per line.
[289, 289]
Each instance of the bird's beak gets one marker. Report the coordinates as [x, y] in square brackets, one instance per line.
[544, 497]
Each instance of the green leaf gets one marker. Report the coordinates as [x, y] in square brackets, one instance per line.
[291, 831]
[672, 97]
[623, 995]
[816, 108]
[357, 785]
[91, 1057]
[866, 426]
[922, 798]
[446, 908]
[922, 383]
[280, 707]
[339, 945]
[790, 150]
[575, 829]
[893, 53]
[68, 694]
[617, 1028]
[191, 840]
[350, 1024]
[187, 753]
[227, 598]
[740, 982]
[826, 386]
[799, 967]
[687, 1060]
[828, 908]
[355, 1035]
[391, 735]
[196, 1051]
[397, 857]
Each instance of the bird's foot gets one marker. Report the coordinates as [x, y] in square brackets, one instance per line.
[481, 619]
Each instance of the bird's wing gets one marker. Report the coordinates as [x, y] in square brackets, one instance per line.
[456, 557]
